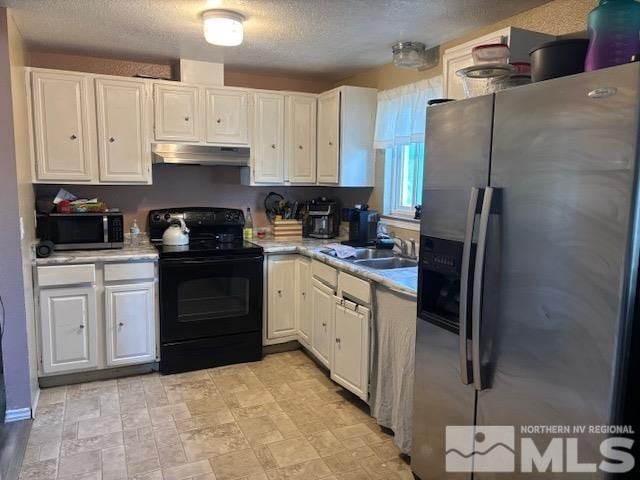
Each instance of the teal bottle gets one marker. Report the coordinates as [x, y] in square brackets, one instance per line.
[614, 33]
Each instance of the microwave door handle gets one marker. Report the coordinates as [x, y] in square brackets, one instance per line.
[478, 284]
[105, 228]
[465, 367]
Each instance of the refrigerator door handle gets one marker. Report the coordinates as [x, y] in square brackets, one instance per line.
[465, 367]
[476, 312]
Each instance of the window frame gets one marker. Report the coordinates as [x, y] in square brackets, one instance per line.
[392, 183]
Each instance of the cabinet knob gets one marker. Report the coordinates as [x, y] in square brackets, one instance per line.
[337, 340]
[300, 147]
[121, 324]
[304, 294]
[273, 145]
[330, 144]
[73, 137]
[219, 120]
[111, 139]
[324, 324]
[81, 326]
[186, 119]
[280, 292]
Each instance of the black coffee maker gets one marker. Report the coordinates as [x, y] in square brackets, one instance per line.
[363, 225]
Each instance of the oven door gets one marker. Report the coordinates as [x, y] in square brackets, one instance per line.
[210, 297]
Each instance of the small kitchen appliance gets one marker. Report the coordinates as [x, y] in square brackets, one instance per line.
[210, 290]
[363, 225]
[81, 231]
[176, 233]
[323, 220]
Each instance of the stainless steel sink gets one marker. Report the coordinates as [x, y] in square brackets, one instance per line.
[364, 254]
[387, 263]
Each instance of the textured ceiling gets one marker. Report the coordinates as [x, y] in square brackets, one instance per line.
[328, 38]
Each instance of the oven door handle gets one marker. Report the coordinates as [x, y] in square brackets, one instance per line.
[210, 261]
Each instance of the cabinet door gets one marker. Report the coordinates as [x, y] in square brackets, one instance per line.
[303, 300]
[227, 116]
[176, 113]
[123, 143]
[281, 280]
[350, 366]
[323, 310]
[268, 146]
[300, 140]
[329, 138]
[68, 326]
[130, 323]
[63, 134]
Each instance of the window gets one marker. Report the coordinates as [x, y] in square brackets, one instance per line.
[400, 132]
[403, 178]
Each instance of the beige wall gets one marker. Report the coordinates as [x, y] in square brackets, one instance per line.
[15, 351]
[559, 17]
[127, 68]
[19, 58]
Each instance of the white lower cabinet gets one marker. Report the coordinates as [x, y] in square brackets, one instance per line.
[303, 300]
[95, 316]
[350, 367]
[69, 328]
[322, 305]
[281, 271]
[130, 323]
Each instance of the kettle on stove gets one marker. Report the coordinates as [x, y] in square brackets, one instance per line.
[176, 234]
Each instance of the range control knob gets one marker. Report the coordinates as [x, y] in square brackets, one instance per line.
[167, 216]
[156, 217]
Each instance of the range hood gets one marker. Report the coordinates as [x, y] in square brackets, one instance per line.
[200, 154]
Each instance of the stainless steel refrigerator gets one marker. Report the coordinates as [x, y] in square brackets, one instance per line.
[528, 262]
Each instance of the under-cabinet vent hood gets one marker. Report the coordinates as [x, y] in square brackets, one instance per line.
[200, 155]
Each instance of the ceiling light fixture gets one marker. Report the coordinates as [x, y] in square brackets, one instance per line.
[223, 27]
[414, 55]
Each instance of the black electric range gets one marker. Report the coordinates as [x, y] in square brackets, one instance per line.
[210, 290]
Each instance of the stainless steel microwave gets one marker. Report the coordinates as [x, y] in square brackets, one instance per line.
[82, 231]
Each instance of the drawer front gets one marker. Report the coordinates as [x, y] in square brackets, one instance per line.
[51, 276]
[355, 288]
[115, 272]
[325, 273]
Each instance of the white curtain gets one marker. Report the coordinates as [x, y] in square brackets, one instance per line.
[402, 112]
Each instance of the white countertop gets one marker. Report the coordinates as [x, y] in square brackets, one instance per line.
[144, 252]
[404, 280]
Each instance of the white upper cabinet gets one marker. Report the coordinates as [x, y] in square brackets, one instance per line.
[130, 323]
[455, 58]
[329, 137]
[346, 123]
[300, 138]
[227, 116]
[176, 113]
[267, 148]
[62, 121]
[68, 327]
[123, 141]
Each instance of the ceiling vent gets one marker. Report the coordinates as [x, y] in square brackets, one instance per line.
[415, 55]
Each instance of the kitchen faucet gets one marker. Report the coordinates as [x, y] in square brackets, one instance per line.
[403, 245]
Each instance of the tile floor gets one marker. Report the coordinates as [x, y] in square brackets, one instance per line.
[281, 418]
